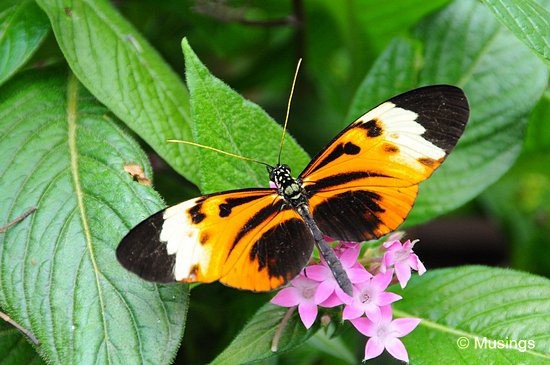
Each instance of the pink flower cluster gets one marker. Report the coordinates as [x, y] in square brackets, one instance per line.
[369, 309]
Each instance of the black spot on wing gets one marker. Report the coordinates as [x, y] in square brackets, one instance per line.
[142, 252]
[195, 212]
[351, 149]
[225, 210]
[338, 151]
[372, 127]
[284, 249]
[442, 109]
[230, 203]
[350, 216]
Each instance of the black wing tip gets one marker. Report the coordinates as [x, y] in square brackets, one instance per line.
[438, 92]
[142, 252]
[443, 110]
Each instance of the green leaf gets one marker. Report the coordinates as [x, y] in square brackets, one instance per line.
[537, 138]
[390, 17]
[529, 21]
[62, 152]
[464, 45]
[126, 74]
[332, 346]
[395, 70]
[227, 121]
[253, 343]
[14, 347]
[521, 201]
[463, 306]
[23, 27]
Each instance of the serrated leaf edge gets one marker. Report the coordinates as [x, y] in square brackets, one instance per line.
[198, 68]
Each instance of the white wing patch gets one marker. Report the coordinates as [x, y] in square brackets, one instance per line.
[182, 239]
[400, 127]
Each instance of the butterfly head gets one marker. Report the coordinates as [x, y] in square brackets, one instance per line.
[280, 174]
[288, 187]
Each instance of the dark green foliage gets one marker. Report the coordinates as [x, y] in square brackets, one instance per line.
[67, 133]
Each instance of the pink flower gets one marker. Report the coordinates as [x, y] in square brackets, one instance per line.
[384, 333]
[369, 296]
[301, 293]
[345, 245]
[328, 285]
[402, 258]
[272, 185]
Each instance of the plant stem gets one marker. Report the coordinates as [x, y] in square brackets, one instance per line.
[17, 220]
[21, 329]
[280, 328]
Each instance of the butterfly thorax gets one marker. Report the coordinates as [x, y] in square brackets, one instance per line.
[288, 187]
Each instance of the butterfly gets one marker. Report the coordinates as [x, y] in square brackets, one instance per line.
[360, 187]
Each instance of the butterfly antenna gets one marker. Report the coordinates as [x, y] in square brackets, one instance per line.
[288, 110]
[217, 150]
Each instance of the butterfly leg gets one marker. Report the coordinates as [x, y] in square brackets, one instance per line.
[327, 252]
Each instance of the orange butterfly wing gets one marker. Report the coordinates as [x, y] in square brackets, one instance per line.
[246, 239]
[361, 186]
[365, 182]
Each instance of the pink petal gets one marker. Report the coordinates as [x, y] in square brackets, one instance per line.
[287, 297]
[404, 326]
[395, 236]
[387, 261]
[331, 302]
[396, 348]
[373, 348]
[308, 313]
[301, 281]
[343, 297]
[365, 326]
[272, 185]
[403, 273]
[392, 245]
[381, 280]
[408, 245]
[386, 313]
[318, 272]
[358, 274]
[386, 298]
[372, 312]
[324, 290]
[350, 244]
[421, 268]
[352, 312]
[349, 256]
[412, 261]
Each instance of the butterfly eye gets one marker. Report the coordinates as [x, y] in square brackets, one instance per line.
[286, 167]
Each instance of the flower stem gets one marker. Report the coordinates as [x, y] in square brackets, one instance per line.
[280, 328]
